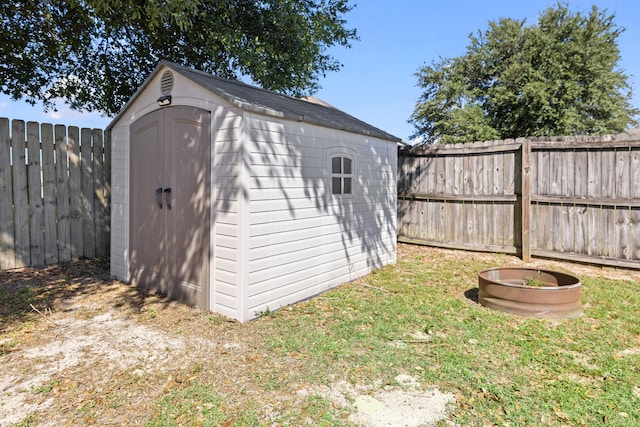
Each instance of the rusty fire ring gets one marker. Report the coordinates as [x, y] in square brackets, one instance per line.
[530, 292]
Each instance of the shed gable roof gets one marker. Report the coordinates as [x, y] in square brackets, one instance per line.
[262, 101]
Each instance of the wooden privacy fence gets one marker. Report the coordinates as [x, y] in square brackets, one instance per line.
[575, 198]
[54, 193]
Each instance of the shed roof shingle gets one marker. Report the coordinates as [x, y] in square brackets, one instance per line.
[258, 100]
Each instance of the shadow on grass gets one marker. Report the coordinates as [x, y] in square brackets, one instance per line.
[472, 294]
[28, 292]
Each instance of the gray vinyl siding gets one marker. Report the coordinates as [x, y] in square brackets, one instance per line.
[226, 289]
[303, 240]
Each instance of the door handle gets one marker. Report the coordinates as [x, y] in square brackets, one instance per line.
[159, 197]
[167, 197]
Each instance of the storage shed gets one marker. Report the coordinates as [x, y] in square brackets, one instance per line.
[241, 200]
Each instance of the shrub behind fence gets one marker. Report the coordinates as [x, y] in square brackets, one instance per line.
[54, 193]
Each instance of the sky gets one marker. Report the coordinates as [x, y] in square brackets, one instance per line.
[377, 82]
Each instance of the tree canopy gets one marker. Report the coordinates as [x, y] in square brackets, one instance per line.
[94, 54]
[559, 77]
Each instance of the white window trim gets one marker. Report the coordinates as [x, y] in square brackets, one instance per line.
[342, 152]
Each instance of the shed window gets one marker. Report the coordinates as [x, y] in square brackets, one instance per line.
[341, 175]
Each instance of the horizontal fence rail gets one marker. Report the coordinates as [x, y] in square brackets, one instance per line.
[54, 193]
[575, 198]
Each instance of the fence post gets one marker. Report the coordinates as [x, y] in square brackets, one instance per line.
[525, 199]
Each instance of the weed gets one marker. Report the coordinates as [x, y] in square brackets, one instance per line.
[533, 281]
[315, 408]
[46, 388]
[215, 319]
[7, 346]
[16, 301]
[264, 313]
[29, 420]
[197, 404]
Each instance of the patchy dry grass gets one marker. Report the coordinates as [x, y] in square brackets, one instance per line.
[77, 347]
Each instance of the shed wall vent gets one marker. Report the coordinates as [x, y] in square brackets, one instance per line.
[166, 82]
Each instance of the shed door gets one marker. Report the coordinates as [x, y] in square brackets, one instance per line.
[169, 203]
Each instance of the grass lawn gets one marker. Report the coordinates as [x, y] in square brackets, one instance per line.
[415, 318]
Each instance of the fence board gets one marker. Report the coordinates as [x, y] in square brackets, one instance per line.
[634, 193]
[509, 174]
[406, 205]
[422, 219]
[580, 188]
[543, 173]
[88, 225]
[487, 185]
[62, 200]
[478, 189]
[498, 188]
[49, 195]
[543, 209]
[467, 189]
[534, 170]
[523, 214]
[402, 176]
[36, 209]
[439, 188]
[449, 207]
[416, 220]
[411, 220]
[425, 184]
[20, 195]
[555, 172]
[416, 216]
[567, 164]
[556, 211]
[7, 243]
[458, 231]
[594, 223]
[75, 202]
[100, 204]
[608, 190]
[623, 215]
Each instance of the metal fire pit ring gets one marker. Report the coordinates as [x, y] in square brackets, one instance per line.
[530, 292]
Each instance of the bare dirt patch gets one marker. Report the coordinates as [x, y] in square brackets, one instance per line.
[102, 346]
[406, 404]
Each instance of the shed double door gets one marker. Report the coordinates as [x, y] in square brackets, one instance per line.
[169, 203]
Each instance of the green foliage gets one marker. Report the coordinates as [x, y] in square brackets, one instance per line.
[14, 302]
[197, 404]
[267, 312]
[95, 53]
[45, 389]
[558, 77]
[30, 420]
[532, 281]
